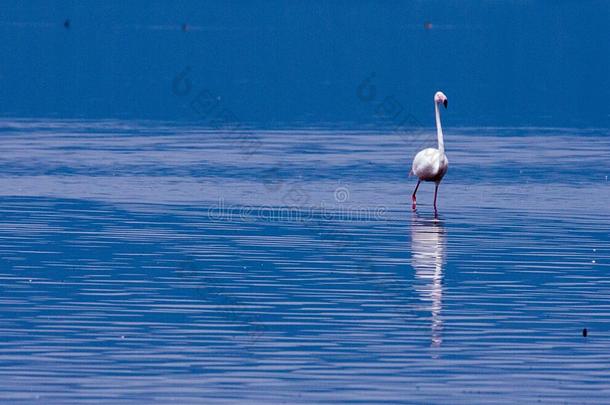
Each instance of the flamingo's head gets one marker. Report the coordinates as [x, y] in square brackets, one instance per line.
[440, 98]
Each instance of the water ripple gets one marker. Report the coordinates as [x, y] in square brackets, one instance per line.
[142, 261]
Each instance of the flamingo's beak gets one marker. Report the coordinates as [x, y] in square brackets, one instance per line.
[445, 103]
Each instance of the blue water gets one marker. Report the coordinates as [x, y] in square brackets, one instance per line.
[278, 63]
[156, 262]
[209, 202]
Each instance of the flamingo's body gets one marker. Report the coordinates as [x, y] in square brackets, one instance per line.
[431, 164]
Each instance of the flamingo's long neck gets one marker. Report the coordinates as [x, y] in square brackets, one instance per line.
[439, 129]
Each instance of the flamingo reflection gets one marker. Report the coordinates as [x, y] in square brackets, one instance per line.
[428, 241]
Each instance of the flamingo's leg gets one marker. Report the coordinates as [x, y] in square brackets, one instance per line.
[435, 193]
[413, 198]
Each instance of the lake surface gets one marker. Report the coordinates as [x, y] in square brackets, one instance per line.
[501, 63]
[153, 262]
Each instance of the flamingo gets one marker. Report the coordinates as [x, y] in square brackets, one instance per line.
[431, 164]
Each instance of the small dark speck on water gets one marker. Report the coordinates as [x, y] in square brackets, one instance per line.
[428, 25]
[67, 23]
[585, 332]
[185, 27]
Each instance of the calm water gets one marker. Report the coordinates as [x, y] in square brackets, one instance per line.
[501, 63]
[152, 262]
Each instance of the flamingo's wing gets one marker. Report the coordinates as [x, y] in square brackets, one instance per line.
[426, 164]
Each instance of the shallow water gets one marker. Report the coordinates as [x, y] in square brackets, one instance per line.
[149, 261]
